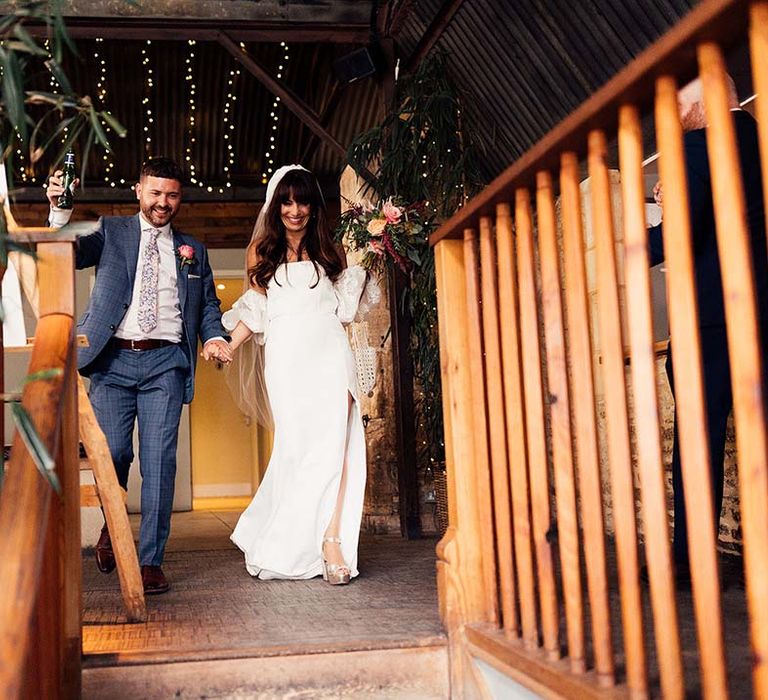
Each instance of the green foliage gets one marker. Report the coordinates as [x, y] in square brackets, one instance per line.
[32, 120]
[423, 151]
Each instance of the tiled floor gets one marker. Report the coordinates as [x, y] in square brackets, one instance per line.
[215, 609]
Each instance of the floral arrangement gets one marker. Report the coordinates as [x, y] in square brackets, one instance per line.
[389, 232]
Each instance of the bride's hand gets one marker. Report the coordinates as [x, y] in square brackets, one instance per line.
[219, 350]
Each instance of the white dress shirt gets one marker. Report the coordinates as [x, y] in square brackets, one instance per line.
[169, 323]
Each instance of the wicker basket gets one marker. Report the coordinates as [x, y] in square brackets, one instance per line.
[441, 501]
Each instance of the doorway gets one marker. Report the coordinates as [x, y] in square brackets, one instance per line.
[229, 450]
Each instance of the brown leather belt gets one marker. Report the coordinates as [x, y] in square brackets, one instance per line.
[139, 345]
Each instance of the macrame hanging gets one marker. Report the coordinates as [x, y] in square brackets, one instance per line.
[365, 358]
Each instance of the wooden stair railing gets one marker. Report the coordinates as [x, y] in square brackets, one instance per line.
[40, 565]
[513, 302]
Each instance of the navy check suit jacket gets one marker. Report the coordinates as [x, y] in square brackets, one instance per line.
[114, 251]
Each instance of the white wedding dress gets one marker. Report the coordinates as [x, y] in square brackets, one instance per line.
[310, 373]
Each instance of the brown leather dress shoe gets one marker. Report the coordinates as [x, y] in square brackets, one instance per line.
[154, 580]
[105, 557]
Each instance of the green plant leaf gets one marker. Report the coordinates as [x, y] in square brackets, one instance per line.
[54, 68]
[42, 375]
[98, 130]
[37, 450]
[28, 42]
[13, 92]
[113, 124]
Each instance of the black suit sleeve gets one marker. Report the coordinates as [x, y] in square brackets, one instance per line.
[699, 195]
[210, 311]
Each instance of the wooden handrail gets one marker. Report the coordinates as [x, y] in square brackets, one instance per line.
[672, 54]
[25, 499]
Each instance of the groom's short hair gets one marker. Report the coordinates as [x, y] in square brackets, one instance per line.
[161, 167]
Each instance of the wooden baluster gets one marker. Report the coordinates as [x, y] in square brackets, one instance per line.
[690, 407]
[649, 451]
[514, 411]
[534, 412]
[480, 422]
[758, 42]
[744, 348]
[584, 424]
[562, 450]
[612, 351]
[496, 427]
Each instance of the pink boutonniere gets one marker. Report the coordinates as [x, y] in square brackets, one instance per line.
[186, 253]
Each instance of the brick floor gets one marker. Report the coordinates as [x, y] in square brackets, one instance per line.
[215, 609]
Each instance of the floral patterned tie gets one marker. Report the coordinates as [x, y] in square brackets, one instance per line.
[150, 268]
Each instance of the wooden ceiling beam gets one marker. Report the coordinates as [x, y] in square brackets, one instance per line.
[435, 30]
[175, 29]
[325, 118]
[289, 98]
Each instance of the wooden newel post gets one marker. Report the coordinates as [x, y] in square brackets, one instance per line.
[405, 424]
[461, 587]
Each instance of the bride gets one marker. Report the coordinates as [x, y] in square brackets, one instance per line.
[305, 517]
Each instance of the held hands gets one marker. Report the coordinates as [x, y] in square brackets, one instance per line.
[217, 350]
[658, 194]
[54, 189]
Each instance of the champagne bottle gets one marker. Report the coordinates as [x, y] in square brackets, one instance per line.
[67, 197]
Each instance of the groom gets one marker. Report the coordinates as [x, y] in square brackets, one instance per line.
[154, 295]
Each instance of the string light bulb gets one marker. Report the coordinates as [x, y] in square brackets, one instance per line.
[146, 102]
[228, 126]
[189, 78]
[275, 117]
[101, 94]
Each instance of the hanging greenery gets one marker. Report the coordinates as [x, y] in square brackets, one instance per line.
[34, 121]
[423, 152]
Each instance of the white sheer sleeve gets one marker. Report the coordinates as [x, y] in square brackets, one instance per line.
[356, 293]
[251, 309]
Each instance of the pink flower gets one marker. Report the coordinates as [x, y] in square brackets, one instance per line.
[376, 247]
[376, 226]
[392, 213]
[186, 254]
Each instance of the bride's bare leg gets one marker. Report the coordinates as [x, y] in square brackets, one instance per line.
[332, 549]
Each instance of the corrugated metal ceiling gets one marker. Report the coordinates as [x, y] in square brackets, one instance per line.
[525, 65]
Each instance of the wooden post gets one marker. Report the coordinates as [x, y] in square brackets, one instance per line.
[744, 348]
[515, 423]
[494, 395]
[649, 454]
[584, 420]
[612, 350]
[461, 585]
[690, 405]
[480, 421]
[407, 474]
[560, 422]
[538, 464]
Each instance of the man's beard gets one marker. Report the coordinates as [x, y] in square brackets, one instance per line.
[158, 217]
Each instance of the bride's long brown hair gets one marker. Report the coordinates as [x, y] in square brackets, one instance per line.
[272, 248]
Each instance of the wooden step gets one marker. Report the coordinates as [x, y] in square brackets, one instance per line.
[384, 674]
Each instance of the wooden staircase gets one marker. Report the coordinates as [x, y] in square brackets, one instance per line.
[382, 673]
